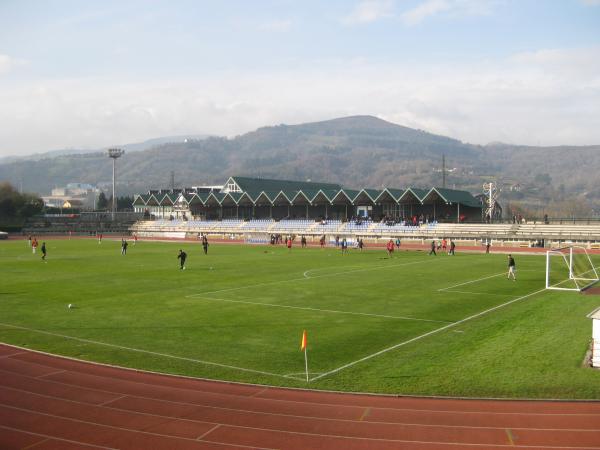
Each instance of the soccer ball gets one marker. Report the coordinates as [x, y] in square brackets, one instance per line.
[70, 306]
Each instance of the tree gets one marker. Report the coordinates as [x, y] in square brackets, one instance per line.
[124, 203]
[15, 204]
[102, 201]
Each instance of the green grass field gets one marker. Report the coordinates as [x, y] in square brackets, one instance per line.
[414, 324]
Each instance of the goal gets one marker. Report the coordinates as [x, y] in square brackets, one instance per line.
[569, 269]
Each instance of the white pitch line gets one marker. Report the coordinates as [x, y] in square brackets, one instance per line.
[306, 274]
[303, 278]
[475, 293]
[437, 330]
[274, 305]
[471, 281]
[481, 279]
[165, 355]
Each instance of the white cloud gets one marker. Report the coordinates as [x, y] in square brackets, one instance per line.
[455, 8]
[7, 63]
[546, 97]
[370, 11]
[576, 63]
[277, 26]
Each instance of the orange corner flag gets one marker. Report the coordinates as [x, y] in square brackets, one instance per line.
[303, 342]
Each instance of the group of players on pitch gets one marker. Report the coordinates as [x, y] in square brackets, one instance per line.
[182, 256]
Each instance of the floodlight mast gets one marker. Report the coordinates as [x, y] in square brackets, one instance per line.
[114, 153]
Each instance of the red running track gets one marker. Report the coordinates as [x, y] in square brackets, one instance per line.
[49, 402]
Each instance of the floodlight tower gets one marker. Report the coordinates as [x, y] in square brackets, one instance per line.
[491, 196]
[114, 153]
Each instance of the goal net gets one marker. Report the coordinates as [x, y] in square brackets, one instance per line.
[569, 269]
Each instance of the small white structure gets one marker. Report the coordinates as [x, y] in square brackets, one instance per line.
[595, 316]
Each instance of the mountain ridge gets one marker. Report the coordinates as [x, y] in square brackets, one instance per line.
[355, 151]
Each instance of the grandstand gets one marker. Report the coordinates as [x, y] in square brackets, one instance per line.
[84, 223]
[252, 209]
[257, 198]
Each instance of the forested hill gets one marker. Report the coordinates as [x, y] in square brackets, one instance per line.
[359, 151]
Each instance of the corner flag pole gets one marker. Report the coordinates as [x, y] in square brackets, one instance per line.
[303, 347]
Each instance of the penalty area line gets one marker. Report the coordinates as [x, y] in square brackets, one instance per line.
[149, 352]
[471, 281]
[306, 308]
[481, 279]
[291, 280]
[437, 330]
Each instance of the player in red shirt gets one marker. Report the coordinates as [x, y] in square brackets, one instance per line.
[390, 248]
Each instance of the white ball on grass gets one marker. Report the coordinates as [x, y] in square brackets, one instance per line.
[70, 305]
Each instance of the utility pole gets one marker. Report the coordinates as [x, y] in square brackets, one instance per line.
[114, 154]
[444, 171]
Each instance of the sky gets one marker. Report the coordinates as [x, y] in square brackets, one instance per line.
[91, 74]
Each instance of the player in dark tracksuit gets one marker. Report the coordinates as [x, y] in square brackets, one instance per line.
[511, 268]
[43, 251]
[205, 244]
[452, 247]
[182, 256]
[432, 251]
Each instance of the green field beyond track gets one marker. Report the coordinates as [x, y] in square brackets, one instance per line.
[403, 325]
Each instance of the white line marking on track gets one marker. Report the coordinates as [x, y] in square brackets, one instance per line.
[309, 403]
[48, 437]
[148, 352]
[437, 330]
[333, 311]
[129, 430]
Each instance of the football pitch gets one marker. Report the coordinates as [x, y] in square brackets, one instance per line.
[413, 324]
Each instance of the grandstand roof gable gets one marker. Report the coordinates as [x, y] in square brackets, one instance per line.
[453, 196]
[410, 193]
[140, 200]
[265, 184]
[387, 193]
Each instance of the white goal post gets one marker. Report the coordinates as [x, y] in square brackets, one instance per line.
[569, 269]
